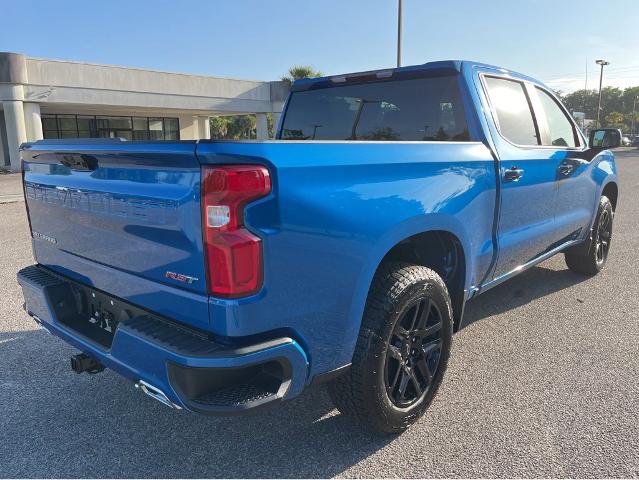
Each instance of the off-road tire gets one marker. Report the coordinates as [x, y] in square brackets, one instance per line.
[362, 392]
[592, 262]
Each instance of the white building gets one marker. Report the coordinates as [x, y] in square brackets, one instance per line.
[41, 98]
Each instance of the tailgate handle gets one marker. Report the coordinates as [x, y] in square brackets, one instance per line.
[80, 162]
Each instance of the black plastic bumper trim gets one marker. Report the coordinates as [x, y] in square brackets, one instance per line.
[231, 390]
[330, 375]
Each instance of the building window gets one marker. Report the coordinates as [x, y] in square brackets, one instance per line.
[156, 128]
[172, 129]
[131, 128]
[140, 128]
[50, 126]
[86, 127]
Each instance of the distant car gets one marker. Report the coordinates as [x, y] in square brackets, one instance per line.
[635, 141]
[625, 141]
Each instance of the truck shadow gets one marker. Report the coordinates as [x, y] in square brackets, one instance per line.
[537, 282]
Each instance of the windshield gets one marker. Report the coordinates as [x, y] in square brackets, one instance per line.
[426, 109]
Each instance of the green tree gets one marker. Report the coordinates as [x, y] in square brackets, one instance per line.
[630, 99]
[611, 100]
[616, 104]
[219, 127]
[297, 72]
[587, 100]
[582, 101]
[270, 124]
[630, 95]
[233, 127]
[241, 127]
[615, 120]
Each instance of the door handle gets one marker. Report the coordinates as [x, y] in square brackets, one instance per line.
[513, 174]
[566, 169]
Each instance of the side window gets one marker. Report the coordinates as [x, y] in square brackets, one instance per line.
[510, 102]
[562, 133]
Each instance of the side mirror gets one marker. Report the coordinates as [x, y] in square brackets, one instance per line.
[605, 138]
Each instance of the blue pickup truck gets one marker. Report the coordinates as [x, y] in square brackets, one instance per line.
[225, 276]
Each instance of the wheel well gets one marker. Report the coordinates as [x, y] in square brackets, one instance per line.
[612, 192]
[442, 251]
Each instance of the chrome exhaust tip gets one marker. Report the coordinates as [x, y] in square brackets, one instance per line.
[156, 394]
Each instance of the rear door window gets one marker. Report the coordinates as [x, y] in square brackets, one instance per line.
[512, 109]
[424, 109]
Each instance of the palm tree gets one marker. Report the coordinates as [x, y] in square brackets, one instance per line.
[298, 72]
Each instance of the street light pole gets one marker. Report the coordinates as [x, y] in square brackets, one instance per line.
[632, 120]
[399, 33]
[602, 63]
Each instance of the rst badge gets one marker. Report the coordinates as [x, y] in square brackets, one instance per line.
[180, 277]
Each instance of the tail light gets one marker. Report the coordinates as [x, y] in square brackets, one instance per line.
[234, 257]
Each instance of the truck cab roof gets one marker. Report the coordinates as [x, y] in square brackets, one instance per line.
[435, 67]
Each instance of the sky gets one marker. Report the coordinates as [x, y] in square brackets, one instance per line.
[551, 40]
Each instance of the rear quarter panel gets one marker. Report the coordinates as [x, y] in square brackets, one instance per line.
[336, 210]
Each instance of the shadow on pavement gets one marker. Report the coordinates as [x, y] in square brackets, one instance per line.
[56, 423]
[535, 283]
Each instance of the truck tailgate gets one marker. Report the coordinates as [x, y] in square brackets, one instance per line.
[133, 207]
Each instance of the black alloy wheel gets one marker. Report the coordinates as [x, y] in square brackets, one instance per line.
[604, 232]
[413, 353]
[590, 257]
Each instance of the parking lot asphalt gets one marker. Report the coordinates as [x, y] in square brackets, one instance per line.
[10, 188]
[543, 382]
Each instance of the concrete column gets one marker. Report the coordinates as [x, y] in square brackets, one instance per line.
[188, 127]
[204, 128]
[196, 127]
[16, 130]
[261, 125]
[33, 121]
[4, 147]
[276, 121]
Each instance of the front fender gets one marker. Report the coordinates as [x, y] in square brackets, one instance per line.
[604, 172]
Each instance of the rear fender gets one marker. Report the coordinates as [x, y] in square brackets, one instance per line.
[406, 229]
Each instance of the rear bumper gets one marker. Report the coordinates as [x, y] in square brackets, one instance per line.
[193, 371]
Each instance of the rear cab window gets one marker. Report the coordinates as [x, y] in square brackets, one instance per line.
[417, 109]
